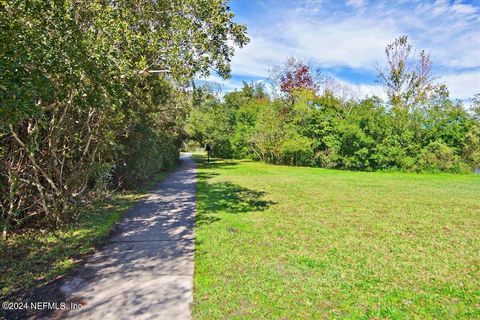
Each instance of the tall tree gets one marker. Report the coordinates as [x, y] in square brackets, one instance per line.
[407, 80]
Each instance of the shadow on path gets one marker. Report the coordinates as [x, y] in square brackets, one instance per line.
[145, 271]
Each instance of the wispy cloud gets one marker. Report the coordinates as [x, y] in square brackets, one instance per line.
[462, 85]
[355, 3]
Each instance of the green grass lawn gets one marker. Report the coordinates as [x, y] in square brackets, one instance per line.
[291, 242]
[32, 258]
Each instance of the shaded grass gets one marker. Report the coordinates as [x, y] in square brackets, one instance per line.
[335, 244]
[31, 259]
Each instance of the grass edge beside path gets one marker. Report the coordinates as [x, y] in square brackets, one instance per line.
[34, 258]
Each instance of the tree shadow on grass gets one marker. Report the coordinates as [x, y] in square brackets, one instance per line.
[226, 197]
[215, 163]
[223, 197]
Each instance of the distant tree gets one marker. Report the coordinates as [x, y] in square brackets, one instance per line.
[408, 81]
[296, 79]
[472, 147]
[476, 106]
[346, 92]
[269, 134]
[472, 139]
[294, 74]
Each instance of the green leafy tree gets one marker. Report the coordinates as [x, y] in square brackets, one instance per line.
[408, 81]
[81, 81]
[471, 144]
[309, 120]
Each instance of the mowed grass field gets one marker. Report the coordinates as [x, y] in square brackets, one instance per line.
[303, 243]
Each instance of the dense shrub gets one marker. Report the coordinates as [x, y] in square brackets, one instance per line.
[97, 90]
[297, 150]
[438, 156]
[144, 151]
[322, 130]
[471, 146]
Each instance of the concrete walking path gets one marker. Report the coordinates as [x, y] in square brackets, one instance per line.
[145, 271]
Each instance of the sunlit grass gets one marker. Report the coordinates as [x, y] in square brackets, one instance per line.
[289, 242]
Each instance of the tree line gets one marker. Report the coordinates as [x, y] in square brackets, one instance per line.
[308, 119]
[94, 96]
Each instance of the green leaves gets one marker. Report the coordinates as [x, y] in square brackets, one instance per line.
[323, 130]
[78, 80]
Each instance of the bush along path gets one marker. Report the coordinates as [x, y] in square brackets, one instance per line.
[145, 271]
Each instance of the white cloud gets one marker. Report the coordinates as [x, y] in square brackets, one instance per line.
[439, 7]
[355, 38]
[371, 90]
[348, 90]
[354, 42]
[463, 8]
[463, 85]
[355, 3]
[258, 56]
[350, 43]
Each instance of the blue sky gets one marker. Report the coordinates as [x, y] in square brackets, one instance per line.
[346, 39]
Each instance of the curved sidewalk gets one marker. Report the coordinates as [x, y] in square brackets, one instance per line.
[145, 271]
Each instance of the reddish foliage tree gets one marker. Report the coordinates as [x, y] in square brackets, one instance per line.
[299, 77]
